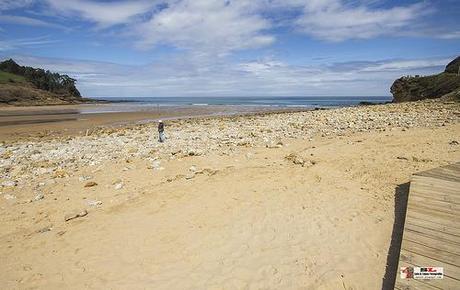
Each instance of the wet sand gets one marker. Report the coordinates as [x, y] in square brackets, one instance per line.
[19, 123]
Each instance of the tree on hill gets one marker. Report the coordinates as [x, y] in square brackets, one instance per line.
[41, 79]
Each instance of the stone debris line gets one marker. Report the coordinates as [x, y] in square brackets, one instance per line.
[30, 161]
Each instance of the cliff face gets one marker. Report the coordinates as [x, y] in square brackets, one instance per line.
[453, 66]
[407, 89]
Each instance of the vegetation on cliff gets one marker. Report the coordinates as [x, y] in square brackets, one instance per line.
[41, 79]
[24, 85]
[414, 88]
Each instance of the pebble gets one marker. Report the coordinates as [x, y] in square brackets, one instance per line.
[34, 159]
[84, 178]
[90, 184]
[9, 183]
[156, 165]
[118, 186]
[44, 229]
[39, 196]
[75, 214]
[94, 202]
[9, 196]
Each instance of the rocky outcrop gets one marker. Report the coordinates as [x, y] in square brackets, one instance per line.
[417, 88]
[453, 66]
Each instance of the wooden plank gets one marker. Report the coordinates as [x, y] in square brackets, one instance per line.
[453, 225]
[440, 215]
[419, 260]
[439, 236]
[436, 188]
[415, 284]
[426, 192]
[449, 173]
[431, 252]
[404, 284]
[425, 224]
[439, 205]
[431, 235]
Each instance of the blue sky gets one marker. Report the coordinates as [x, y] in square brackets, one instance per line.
[143, 48]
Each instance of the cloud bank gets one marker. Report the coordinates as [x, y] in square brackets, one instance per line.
[206, 39]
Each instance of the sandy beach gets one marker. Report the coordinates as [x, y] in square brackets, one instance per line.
[294, 200]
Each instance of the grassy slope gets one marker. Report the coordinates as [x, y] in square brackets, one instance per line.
[6, 77]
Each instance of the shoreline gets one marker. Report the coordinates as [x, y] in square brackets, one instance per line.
[20, 123]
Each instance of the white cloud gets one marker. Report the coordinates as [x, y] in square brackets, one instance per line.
[10, 44]
[186, 75]
[105, 14]
[24, 20]
[408, 65]
[449, 35]
[14, 4]
[217, 26]
[333, 20]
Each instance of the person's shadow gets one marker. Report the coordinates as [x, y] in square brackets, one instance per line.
[401, 196]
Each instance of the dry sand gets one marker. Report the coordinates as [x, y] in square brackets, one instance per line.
[283, 201]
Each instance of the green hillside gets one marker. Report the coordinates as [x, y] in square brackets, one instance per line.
[6, 77]
[28, 86]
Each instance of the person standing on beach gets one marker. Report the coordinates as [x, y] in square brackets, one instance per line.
[161, 131]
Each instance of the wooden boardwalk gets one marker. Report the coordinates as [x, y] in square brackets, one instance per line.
[431, 236]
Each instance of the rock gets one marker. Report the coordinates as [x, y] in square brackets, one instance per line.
[194, 152]
[192, 168]
[244, 143]
[453, 142]
[39, 196]
[298, 160]
[44, 229]
[190, 176]
[118, 186]
[416, 159]
[156, 165]
[84, 178]
[94, 202]
[453, 66]
[209, 171]
[75, 214]
[60, 174]
[90, 184]
[6, 154]
[9, 183]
